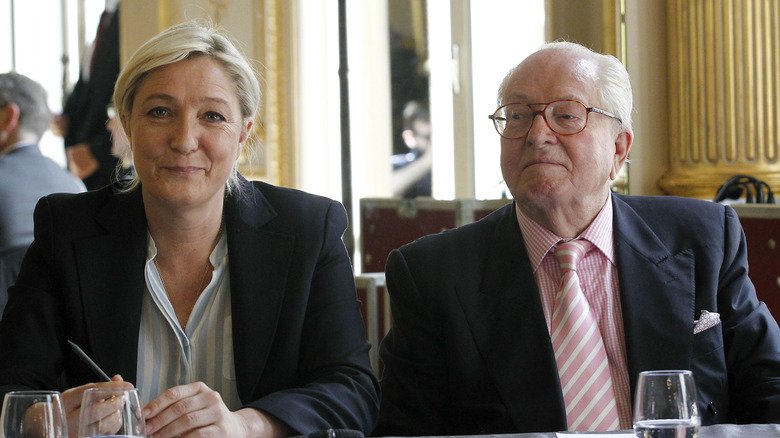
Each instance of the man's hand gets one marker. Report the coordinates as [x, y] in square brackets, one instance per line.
[81, 162]
[59, 125]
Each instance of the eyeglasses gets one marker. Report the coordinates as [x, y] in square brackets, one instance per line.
[563, 117]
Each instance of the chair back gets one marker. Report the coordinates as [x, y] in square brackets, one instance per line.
[10, 263]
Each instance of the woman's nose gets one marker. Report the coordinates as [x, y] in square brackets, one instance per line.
[185, 137]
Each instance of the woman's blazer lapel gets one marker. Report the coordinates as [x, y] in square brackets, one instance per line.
[110, 265]
[260, 254]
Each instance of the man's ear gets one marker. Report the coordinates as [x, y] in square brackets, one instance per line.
[9, 117]
[623, 142]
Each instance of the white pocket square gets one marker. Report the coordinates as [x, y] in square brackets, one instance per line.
[706, 320]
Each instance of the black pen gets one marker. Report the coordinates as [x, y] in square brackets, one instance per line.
[91, 363]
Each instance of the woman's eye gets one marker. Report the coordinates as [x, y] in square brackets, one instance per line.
[158, 112]
[215, 116]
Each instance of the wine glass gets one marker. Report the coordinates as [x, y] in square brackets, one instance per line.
[665, 405]
[33, 414]
[111, 412]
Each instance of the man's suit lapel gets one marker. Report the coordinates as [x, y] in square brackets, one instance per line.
[260, 257]
[110, 264]
[506, 317]
[508, 325]
[657, 295]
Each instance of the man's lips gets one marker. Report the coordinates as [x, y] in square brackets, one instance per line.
[542, 161]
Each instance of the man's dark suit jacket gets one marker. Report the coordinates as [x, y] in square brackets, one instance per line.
[469, 351]
[85, 107]
[299, 341]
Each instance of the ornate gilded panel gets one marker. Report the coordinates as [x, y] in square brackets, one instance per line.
[724, 75]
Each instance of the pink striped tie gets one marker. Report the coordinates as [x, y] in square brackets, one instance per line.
[579, 350]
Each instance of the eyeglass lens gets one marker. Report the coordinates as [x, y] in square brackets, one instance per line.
[563, 117]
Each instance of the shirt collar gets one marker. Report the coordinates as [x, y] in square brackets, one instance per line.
[216, 258]
[539, 240]
[14, 147]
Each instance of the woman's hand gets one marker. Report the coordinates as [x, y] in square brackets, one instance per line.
[197, 410]
[71, 400]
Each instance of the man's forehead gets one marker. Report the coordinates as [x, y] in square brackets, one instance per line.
[552, 76]
[536, 98]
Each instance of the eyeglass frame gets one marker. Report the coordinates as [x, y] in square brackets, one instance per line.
[588, 110]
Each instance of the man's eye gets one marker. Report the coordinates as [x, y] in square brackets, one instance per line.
[517, 116]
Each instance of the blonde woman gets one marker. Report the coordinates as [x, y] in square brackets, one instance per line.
[230, 305]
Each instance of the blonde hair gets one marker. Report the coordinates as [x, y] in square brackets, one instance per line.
[180, 42]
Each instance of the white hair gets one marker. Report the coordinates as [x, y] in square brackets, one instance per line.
[612, 80]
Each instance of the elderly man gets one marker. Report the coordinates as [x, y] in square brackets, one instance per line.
[25, 174]
[484, 338]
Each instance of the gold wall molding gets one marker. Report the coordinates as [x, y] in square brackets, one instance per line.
[724, 82]
[274, 48]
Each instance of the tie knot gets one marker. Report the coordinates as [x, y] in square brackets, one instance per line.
[570, 253]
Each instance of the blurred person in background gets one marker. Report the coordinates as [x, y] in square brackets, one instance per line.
[412, 169]
[26, 174]
[83, 120]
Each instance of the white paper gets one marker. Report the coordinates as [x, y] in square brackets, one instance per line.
[595, 435]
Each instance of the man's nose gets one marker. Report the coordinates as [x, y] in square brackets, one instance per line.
[539, 128]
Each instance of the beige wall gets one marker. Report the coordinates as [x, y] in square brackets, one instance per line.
[139, 22]
[142, 19]
[646, 60]
[591, 23]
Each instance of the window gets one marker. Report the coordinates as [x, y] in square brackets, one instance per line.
[501, 36]
[47, 47]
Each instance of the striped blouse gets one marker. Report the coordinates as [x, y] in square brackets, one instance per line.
[168, 355]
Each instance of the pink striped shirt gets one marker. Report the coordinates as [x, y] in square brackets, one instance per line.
[599, 278]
